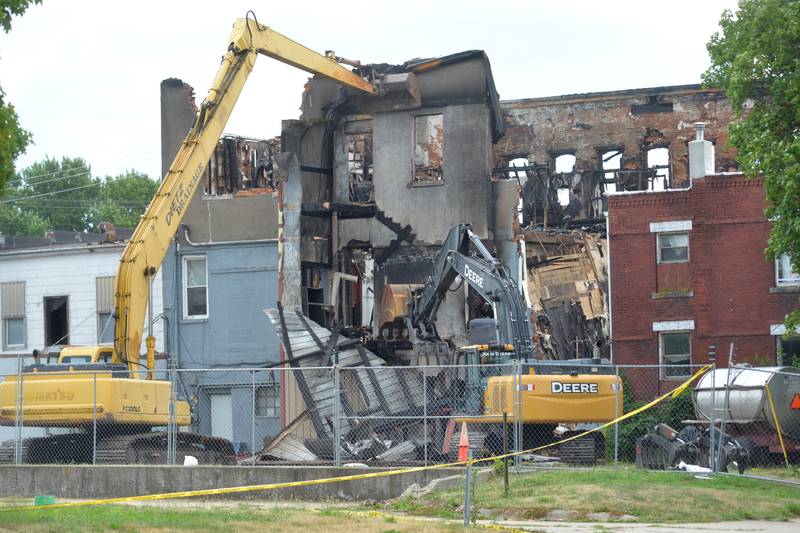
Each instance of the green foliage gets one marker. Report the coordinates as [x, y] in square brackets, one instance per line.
[9, 8]
[755, 60]
[122, 199]
[13, 140]
[62, 195]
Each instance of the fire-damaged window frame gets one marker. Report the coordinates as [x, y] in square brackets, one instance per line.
[660, 239]
[360, 163]
[186, 287]
[414, 163]
[664, 358]
[13, 312]
[785, 276]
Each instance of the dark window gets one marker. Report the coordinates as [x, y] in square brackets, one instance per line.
[676, 355]
[56, 320]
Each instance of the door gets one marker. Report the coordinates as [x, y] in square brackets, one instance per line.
[221, 416]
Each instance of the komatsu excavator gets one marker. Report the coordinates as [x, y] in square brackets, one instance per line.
[107, 388]
[551, 400]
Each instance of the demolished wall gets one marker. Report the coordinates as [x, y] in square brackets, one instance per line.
[593, 126]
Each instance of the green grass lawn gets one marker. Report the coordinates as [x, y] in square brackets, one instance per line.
[150, 518]
[647, 496]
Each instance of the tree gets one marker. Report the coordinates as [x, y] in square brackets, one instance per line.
[62, 195]
[13, 139]
[9, 8]
[755, 59]
[61, 192]
[123, 199]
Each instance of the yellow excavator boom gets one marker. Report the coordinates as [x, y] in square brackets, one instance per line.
[151, 239]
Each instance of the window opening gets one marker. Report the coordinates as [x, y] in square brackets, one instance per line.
[56, 320]
[267, 404]
[360, 167]
[428, 149]
[676, 355]
[673, 247]
[12, 299]
[784, 274]
[104, 299]
[195, 283]
[520, 175]
[788, 350]
[658, 162]
[565, 166]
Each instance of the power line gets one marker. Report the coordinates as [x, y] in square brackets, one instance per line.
[71, 173]
[100, 163]
[12, 200]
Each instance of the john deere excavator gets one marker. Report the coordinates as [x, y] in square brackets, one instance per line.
[108, 388]
[549, 399]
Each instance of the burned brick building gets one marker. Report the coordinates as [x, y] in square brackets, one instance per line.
[579, 146]
[376, 191]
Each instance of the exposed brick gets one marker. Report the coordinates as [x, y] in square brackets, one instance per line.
[729, 276]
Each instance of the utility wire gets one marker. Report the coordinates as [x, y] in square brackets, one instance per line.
[100, 163]
[71, 173]
[13, 200]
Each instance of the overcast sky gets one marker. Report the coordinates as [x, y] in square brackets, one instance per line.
[84, 75]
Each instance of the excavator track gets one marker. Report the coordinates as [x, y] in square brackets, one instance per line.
[151, 448]
[141, 448]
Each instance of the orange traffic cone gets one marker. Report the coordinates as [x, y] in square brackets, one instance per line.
[463, 443]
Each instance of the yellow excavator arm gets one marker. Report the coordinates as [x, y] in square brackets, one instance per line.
[151, 239]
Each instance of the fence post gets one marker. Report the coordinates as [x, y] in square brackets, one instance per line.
[712, 463]
[94, 418]
[468, 491]
[337, 422]
[425, 414]
[516, 395]
[505, 453]
[171, 428]
[618, 386]
[19, 412]
[253, 421]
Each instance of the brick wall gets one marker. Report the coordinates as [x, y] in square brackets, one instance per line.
[633, 120]
[730, 281]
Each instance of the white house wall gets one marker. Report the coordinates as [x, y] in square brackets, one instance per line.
[71, 273]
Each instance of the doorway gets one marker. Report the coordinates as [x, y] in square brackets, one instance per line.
[56, 320]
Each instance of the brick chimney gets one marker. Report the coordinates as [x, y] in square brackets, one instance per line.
[701, 153]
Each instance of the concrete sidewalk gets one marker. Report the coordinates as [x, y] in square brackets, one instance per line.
[749, 526]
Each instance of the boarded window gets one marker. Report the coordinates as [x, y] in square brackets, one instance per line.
[105, 308]
[428, 149]
[12, 302]
[359, 166]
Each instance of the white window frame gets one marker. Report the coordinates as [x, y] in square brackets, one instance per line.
[662, 361]
[185, 288]
[785, 282]
[6, 345]
[101, 326]
[658, 247]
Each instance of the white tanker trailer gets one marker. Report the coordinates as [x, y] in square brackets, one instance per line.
[744, 404]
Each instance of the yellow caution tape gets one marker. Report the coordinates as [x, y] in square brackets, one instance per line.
[324, 481]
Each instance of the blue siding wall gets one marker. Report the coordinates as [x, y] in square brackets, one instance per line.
[242, 282]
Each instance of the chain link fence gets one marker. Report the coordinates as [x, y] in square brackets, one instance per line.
[746, 419]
